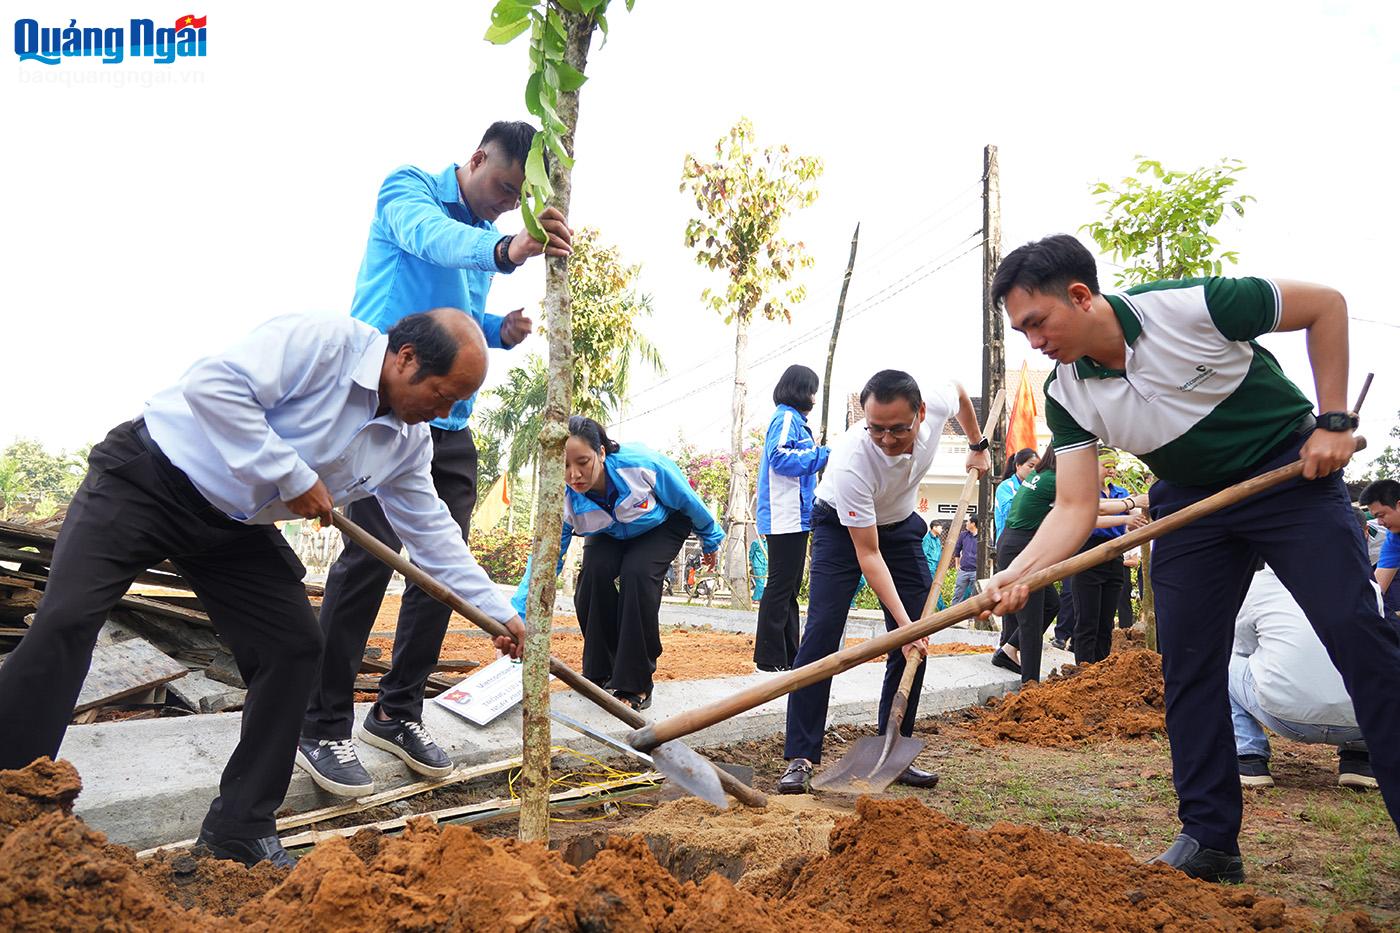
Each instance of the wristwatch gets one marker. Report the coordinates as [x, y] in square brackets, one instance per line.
[981, 445]
[1338, 421]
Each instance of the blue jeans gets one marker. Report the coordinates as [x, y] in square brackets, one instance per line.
[1250, 720]
[963, 585]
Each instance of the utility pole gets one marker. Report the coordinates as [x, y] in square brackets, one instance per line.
[993, 353]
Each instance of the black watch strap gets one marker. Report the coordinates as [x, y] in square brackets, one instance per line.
[502, 255]
[1338, 421]
[981, 445]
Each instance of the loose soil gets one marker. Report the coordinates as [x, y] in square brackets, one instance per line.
[1118, 697]
[893, 864]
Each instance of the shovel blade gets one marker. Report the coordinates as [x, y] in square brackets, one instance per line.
[856, 772]
[683, 766]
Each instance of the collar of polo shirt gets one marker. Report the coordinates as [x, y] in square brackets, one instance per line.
[1087, 367]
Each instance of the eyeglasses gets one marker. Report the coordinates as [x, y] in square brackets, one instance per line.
[897, 431]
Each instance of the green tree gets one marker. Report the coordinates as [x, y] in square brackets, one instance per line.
[743, 197]
[606, 307]
[33, 478]
[1386, 464]
[1158, 222]
[561, 32]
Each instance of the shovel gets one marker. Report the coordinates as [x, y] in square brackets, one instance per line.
[704, 779]
[666, 731]
[873, 762]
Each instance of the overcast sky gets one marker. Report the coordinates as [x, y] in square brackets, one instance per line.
[158, 212]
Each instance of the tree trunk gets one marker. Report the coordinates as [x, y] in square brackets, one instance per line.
[735, 568]
[539, 613]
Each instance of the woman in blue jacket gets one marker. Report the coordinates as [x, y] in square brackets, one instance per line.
[636, 508]
[787, 477]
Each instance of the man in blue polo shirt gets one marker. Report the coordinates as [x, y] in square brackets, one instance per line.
[1382, 500]
[433, 243]
[1170, 371]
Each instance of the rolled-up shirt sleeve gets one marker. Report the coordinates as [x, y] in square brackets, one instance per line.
[413, 215]
[434, 540]
[230, 394]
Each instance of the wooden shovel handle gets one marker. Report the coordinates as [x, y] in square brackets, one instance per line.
[693, 720]
[576, 681]
[945, 557]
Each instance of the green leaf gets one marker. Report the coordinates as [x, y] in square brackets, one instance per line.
[556, 146]
[500, 35]
[532, 95]
[557, 24]
[532, 225]
[590, 5]
[573, 6]
[603, 27]
[570, 78]
[536, 175]
[509, 12]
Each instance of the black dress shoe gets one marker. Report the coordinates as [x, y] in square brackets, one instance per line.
[797, 778]
[1003, 660]
[917, 777]
[1187, 855]
[244, 851]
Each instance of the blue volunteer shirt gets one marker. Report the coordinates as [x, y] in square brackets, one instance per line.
[427, 250]
[1114, 492]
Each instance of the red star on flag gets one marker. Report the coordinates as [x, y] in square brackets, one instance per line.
[190, 21]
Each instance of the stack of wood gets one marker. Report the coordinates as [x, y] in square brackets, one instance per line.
[158, 653]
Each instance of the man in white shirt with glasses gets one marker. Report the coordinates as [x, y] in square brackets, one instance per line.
[864, 522]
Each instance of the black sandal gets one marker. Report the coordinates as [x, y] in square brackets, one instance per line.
[633, 700]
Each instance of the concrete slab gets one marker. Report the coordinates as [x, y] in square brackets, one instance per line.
[150, 782]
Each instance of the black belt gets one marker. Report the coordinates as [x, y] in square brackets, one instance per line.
[179, 480]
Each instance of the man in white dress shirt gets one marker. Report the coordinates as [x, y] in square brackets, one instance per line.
[1282, 678]
[305, 414]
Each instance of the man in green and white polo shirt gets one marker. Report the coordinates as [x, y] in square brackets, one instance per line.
[1170, 372]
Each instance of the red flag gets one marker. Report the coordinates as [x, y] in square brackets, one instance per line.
[1020, 431]
[190, 21]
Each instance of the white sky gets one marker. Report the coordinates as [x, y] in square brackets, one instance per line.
[156, 213]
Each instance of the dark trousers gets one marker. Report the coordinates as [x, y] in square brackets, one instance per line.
[618, 602]
[834, 577]
[1096, 592]
[1065, 622]
[1125, 600]
[133, 510]
[355, 590]
[1025, 630]
[775, 642]
[1305, 531]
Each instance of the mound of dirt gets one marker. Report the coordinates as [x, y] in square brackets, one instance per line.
[753, 846]
[1119, 697]
[57, 874]
[212, 885]
[897, 865]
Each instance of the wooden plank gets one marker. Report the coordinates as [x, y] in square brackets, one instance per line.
[15, 533]
[126, 668]
[8, 632]
[142, 603]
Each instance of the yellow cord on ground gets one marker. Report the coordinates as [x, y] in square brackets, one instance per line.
[581, 779]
